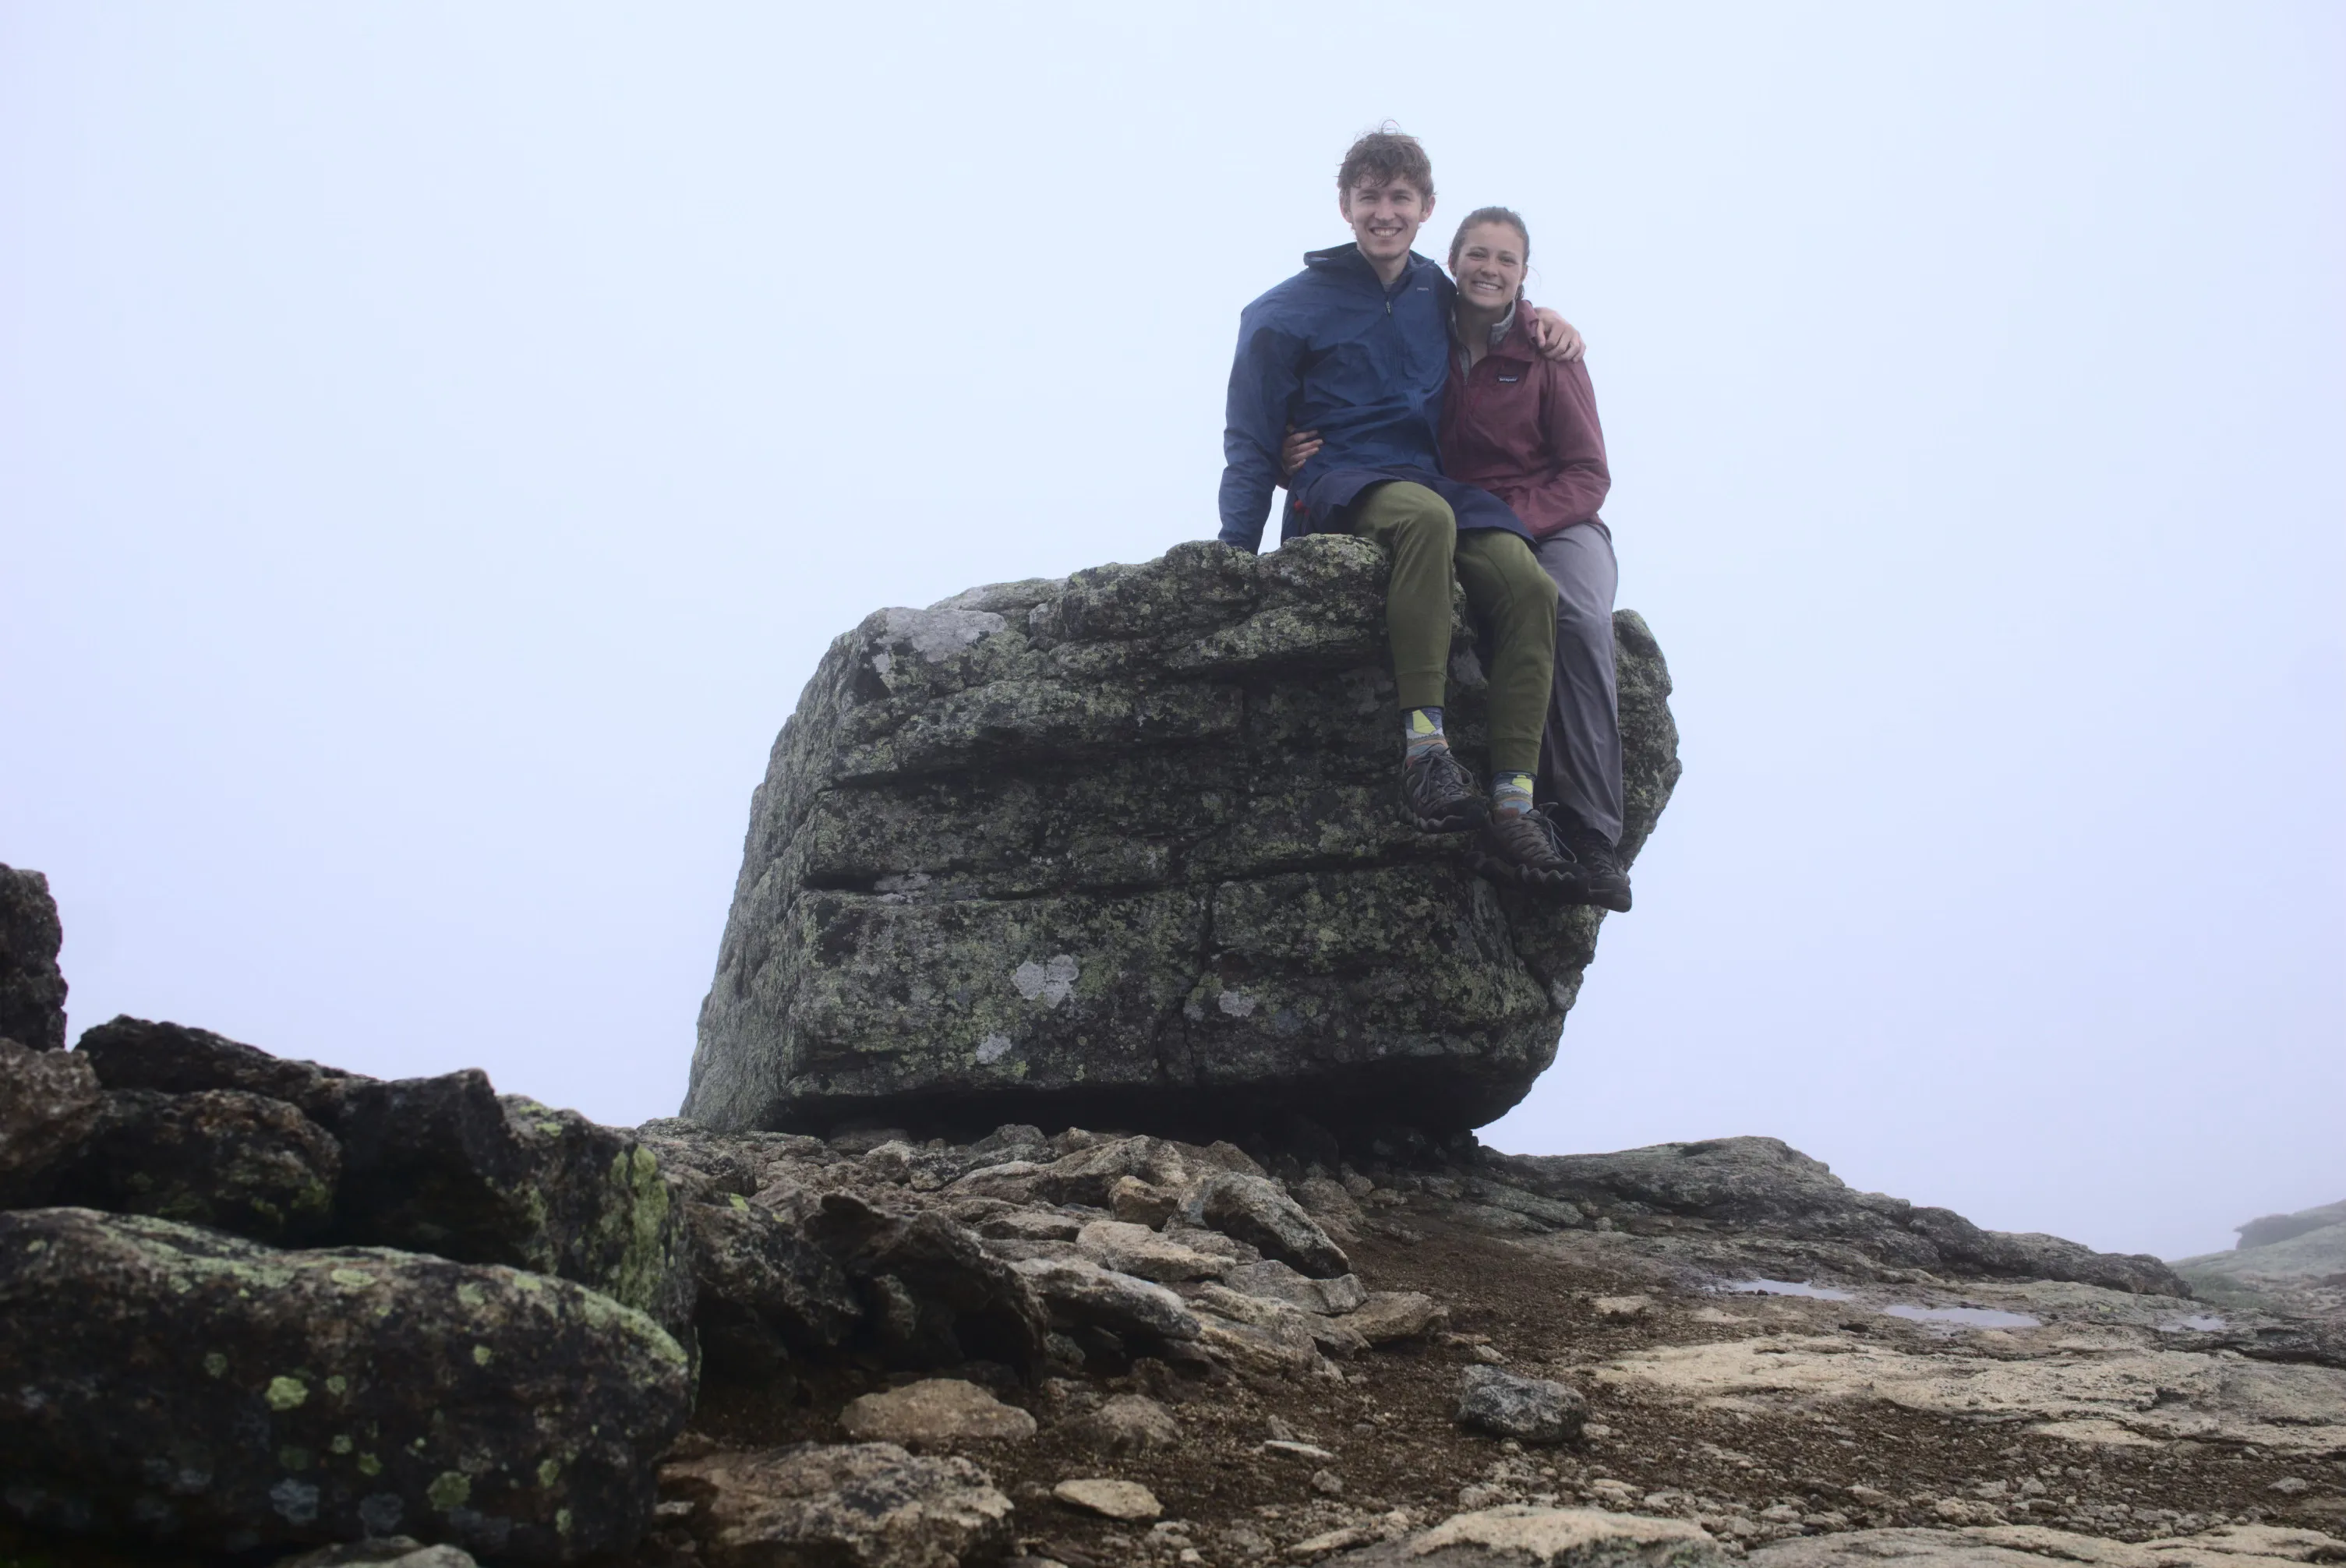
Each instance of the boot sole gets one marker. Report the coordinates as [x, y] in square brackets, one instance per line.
[1465, 821]
[1483, 863]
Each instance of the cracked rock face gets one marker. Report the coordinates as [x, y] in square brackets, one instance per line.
[1125, 847]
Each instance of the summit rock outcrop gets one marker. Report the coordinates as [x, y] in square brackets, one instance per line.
[1123, 849]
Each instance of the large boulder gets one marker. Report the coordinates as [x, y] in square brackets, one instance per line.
[1124, 848]
[32, 987]
[174, 1385]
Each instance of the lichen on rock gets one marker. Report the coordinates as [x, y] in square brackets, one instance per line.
[1125, 848]
[175, 1384]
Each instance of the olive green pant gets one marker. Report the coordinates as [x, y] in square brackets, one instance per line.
[1513, 598]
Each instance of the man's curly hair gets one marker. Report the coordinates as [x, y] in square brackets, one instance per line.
[1383, 157]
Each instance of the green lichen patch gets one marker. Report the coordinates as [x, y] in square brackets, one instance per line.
[127, 1326]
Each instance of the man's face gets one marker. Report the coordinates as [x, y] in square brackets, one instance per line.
[1385, 218]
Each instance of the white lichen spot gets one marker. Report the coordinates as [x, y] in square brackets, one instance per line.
[286, 1393]
[370, 1465]
[483, 1354]
[215, 1364]
[341, 1444]
[449, 1489]
[351, 1278]
[1051, 982]
[1235, 1004]
[562, 1521]
[994, 1048]
[938, 632]
[338, 1385]
[471, 1295]
[548, 1471]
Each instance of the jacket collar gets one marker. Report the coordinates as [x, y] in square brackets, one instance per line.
[1517, 344]
[1348, 258]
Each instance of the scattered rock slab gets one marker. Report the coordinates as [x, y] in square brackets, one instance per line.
[1276, 1348]
[1525, 1536]
[933, 1413]
[940, 1296]
[2034, 1546]
[857, 1506]
[1529, 1409]
[1138, 1250]
[1032, 1225]
[299, 1396]
[1110, 1498]
[32, 988]
[1292, 1448]
[1141, 1202]
[2112, 1393]
[1253, 1209]
[1621, 1309]
[1330, 1336]
[1764, 1188]
[1080, 1293]
[1333, 1297]
[1390, 1315]
[1126, 1424]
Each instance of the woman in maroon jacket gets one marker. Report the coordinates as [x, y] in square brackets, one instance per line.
[1524, 427]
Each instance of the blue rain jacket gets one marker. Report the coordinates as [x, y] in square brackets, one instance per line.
[1334, 350]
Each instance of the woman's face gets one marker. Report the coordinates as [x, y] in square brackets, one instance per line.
[1490, 266]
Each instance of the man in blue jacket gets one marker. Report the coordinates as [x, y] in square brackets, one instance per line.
[1356, 347]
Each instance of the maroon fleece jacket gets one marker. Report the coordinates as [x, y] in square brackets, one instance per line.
[1525, 428]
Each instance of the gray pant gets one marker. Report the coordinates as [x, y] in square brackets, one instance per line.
[1580, 754]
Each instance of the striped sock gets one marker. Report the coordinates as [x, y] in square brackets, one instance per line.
[1421, 728]
[1511, 794]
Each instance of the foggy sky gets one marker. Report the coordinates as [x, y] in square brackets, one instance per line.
[437, 442]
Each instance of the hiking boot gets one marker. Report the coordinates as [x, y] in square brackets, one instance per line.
[1526, 850]
[1600, 863]
[1439, 794]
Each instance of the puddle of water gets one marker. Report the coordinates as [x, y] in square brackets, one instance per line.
[2200, 1324]
[1967, 1317]
[1785, 1287]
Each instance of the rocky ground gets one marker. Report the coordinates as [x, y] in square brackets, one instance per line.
[1888, 1398]
[917, 1353]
